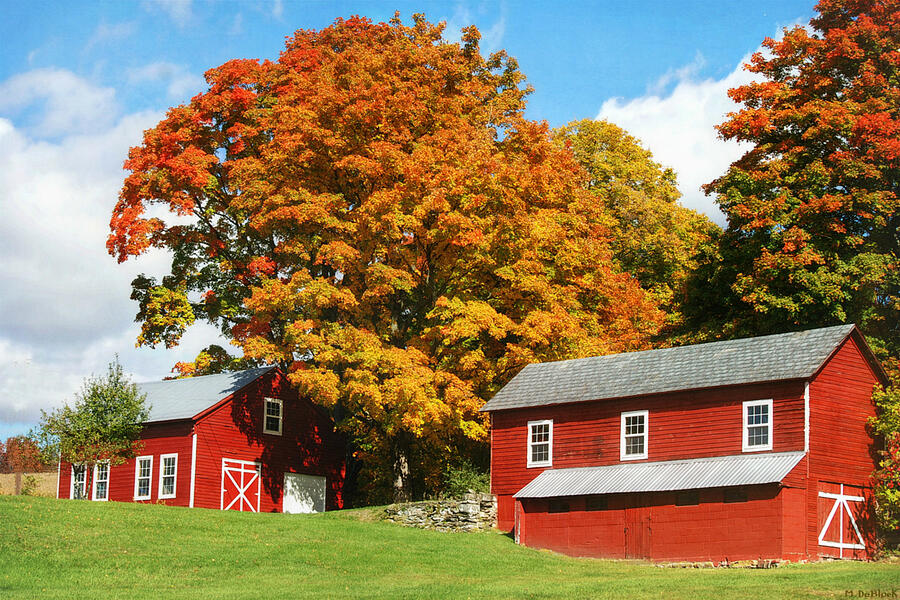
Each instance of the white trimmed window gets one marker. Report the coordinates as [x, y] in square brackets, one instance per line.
[168, 468]
[634, 438]
[143, 474]
[540, 443]
[273, 416]
[78, 482]
[100, 485]
[757, 425]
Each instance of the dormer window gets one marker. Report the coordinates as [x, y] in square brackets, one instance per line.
[273, 416]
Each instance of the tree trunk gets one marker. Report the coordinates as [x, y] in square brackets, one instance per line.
[402, 492]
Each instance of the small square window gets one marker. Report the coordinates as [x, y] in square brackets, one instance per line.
[273, 416]
[735, 495]
[687, 498]
[596, 503]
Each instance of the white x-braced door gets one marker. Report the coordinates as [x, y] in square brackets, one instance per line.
[240, 485]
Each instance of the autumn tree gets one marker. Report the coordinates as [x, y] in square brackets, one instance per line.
[373, 212]
[102, 424]
[813, 220]
[813, 208]
[652, 236]
[20, 454]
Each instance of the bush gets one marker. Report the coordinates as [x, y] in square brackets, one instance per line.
[460, 479]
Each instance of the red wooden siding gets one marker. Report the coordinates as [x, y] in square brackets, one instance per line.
[681, 425]
[308, 444]
[156, 439]
[652, 526]
[840, 448]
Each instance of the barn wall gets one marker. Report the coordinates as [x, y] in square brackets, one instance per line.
[681, 425]
[156, 439]
[308, 444]
[652, 526]
[840, 449]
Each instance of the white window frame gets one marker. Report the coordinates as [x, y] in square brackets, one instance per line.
[745, 427]
[83, 482]
[646, 435]
[96, 478]
[280, 404]
[162, 475]
[531, 444]
[137, 477]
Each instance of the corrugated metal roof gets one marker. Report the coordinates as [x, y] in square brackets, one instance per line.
[690, 474]
[785, 356]
[183, 398]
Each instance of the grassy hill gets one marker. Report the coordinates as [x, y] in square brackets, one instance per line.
[65, 549]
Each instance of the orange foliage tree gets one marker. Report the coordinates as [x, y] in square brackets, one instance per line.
[20, 454]
[373, 212]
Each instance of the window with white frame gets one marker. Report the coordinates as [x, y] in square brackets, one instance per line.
[633, 438]
[273, 416]
[540, 443]
[77, 485]
[100, 485]
[143, 474]
[757, 425]
[168, 467]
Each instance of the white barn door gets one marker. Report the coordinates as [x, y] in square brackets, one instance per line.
[303, 493]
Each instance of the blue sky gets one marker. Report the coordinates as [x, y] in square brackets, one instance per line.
[79, 81]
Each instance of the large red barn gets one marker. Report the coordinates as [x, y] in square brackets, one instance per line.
[726, 451]
[234, 441]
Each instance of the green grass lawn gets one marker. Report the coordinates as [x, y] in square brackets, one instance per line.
[66, 549]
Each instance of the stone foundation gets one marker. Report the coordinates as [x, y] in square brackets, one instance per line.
[473, 512]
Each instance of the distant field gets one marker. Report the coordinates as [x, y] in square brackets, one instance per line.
[68, 549]
[46, 483]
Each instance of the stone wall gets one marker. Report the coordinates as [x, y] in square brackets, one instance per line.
[473, 512]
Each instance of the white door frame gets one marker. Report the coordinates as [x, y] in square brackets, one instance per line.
[243, 486]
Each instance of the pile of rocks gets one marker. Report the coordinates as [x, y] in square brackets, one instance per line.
[738, 564]
[473, 512]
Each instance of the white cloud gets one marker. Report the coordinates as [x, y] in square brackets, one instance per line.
[180, 84]
[237, 25]
[277, 9]
[56, 101]
[679, 128]
[64, 303]
[110, 32]
[180, 11]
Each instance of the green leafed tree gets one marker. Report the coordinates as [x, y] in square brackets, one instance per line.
[102, 424]
[653, 237]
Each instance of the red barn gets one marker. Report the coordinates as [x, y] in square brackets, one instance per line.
[234, 441]
[736, 450]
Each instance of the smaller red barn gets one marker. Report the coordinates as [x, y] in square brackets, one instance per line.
[736, 450]
[242, 441]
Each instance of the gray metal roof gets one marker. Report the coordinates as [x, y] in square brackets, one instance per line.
[184, 398]
[796, 355]
[690, 474]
